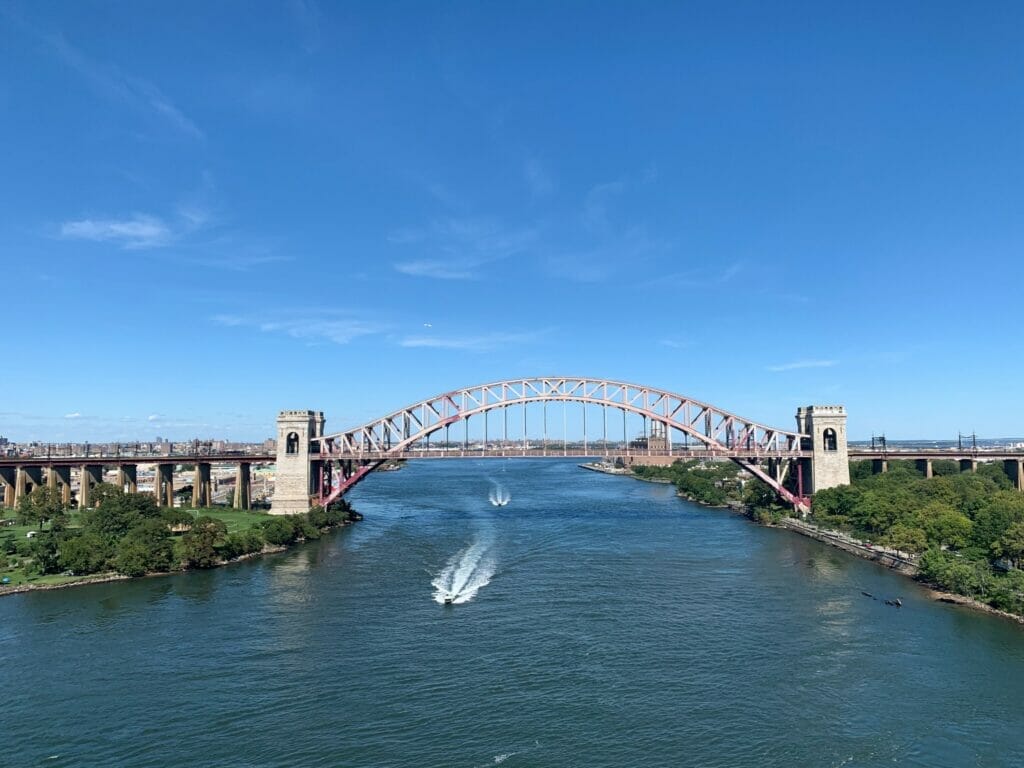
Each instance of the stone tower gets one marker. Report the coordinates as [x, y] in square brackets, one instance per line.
[295, 472]
[829, 464]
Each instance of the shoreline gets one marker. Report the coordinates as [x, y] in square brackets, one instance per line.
[111, 576]
[880, 555]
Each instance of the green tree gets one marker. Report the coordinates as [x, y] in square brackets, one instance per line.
[118, 512]
[42, 548]
[944, 525]
[83, 552]
[148, 544]
[1011, 544]
[279, 531]
[42, 504]
[200, 544]
[907, 538]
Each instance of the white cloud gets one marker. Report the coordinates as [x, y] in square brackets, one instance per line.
[676, 343]
[154, 417]
[436, 269]
[475, 343]
[456, 249]
[139, 231]
[308, 326]
[111, 82]
[799, 364]
[75, 415]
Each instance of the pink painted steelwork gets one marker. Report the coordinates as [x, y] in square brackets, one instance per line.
[722, 433]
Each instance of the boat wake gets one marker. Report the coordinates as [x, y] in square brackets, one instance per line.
[499, 496]
[466, 573]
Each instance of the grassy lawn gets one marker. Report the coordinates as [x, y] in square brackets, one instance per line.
[235, 519]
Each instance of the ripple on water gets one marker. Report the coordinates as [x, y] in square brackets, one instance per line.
[610, 624]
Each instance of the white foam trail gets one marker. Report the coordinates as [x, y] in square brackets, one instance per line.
[499, 495]
[467, 572]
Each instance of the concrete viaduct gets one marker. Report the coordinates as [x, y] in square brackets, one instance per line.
[19, 475]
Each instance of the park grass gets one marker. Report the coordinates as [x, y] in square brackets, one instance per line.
[235, 519]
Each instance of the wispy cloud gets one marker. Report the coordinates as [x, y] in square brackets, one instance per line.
[474, 343]
[307, 18]
[597, 203]
[138, 231]
[309, 326]
[154, 417]
[799, 364]
[704, 277]
[538, 180]
[456, 249]
[676, 343]
[75, 415]
[112, 83]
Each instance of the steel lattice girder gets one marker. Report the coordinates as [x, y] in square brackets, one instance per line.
[719, 430]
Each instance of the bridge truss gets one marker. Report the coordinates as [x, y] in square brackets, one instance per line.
[683, 422]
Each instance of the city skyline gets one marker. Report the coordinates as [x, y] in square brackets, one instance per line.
[351, 209]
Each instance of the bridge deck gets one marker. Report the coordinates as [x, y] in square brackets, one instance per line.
[115, 460]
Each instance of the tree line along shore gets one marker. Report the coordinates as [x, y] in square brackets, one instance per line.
[45, 544]
[963, 530]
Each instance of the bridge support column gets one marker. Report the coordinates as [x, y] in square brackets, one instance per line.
[60, 477]
[924, 466]
[163, 485]
[243, 487]
[829, 464]
[128, 478]
[91, 475]
[968, 465]
[1014, 469]
[201, 490]
[27, 480]
[296, 470]
[7, 478]
[878, 466]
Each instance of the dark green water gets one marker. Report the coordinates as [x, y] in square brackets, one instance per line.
[611, 625]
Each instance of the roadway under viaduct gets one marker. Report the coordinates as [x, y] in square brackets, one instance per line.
[19, 475]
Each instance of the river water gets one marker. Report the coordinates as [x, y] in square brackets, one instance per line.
[597, 621]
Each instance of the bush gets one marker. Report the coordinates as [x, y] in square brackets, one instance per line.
[200, 544]
[279, 531]
[242, 543]
[84, 553]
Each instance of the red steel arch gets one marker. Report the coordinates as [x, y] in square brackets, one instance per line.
[722, 433]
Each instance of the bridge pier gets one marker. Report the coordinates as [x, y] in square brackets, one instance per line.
[163, 485]
[243, 486]
[1014, 468]
[92, 474]
[202, 495]
[128, 477]
[924, 466]
[28, 479]
[60, 478]
[7, 478]
[968, 465]
[878, 466]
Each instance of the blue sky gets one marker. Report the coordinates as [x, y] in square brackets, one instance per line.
[211, 212]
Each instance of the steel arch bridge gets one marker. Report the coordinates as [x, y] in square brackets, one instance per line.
[346, 457]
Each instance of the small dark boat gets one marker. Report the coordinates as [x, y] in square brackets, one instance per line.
[447, 601]
[867, 594]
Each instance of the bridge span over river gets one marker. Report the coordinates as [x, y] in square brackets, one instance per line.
[314, 465]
